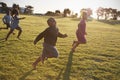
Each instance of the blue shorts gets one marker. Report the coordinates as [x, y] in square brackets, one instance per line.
[49, 51]
[14, 26]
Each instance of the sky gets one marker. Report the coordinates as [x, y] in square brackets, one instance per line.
[42, 6]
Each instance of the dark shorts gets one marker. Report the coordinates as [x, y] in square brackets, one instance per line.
[49, 51]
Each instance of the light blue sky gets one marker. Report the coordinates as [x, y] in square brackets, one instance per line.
[42, 6]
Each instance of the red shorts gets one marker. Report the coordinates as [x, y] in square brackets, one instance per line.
[81, 38]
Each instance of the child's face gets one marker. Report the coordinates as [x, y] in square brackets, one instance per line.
[85, 16]
[8, 13]
[51, 22]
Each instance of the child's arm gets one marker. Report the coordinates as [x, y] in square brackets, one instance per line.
[21, 18]
[40, 36]
[62, 35]
[3, 19]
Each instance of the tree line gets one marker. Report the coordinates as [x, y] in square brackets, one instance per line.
[106, 13]
[27, 10]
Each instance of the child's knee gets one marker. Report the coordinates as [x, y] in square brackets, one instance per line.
[20, 30]
[11, 31]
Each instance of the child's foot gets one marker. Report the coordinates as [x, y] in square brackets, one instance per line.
[18, 38]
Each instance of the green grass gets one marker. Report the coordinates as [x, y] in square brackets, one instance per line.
[99, 59]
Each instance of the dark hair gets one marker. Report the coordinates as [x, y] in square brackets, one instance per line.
[50, 19]
[8, 12]
[14, 11]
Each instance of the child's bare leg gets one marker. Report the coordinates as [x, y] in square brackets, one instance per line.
[7, 26]
[19, 33]
[11, 31]
[36, 62]
[42, 60]
[75, 45]
[74, 42]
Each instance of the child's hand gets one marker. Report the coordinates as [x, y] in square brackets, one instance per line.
[23, 17]
[65, 35]
[34, 42]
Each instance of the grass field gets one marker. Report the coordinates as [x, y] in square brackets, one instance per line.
[99, 59]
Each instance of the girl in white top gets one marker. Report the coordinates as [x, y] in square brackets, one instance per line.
[7, 20]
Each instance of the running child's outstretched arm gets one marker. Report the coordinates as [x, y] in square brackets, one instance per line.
[21, 18]
[62, 35]
[40, 36]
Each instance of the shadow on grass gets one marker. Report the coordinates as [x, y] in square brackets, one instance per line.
[68, 67]
[2, 46]
[26, 74]
[2, 39]
[58, 77]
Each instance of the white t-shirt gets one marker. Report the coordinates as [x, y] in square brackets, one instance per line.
[7, 19]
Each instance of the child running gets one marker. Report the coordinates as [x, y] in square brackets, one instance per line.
[14, 24]
[80, 32]
[50, 38]
[7, 20]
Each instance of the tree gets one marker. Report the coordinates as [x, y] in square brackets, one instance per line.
[28, 9]
[100, 12]
[108, 11]
[4, 7]
[66, 12]
[3, 4]
[50, 13]
[57, 12]
[118, 13]
[114, 14]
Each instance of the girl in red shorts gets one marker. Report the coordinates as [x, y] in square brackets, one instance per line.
[80, 32]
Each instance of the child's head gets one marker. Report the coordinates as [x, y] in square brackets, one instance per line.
[84, 15]
[15, 12]
[8, 12]
[51, 22]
